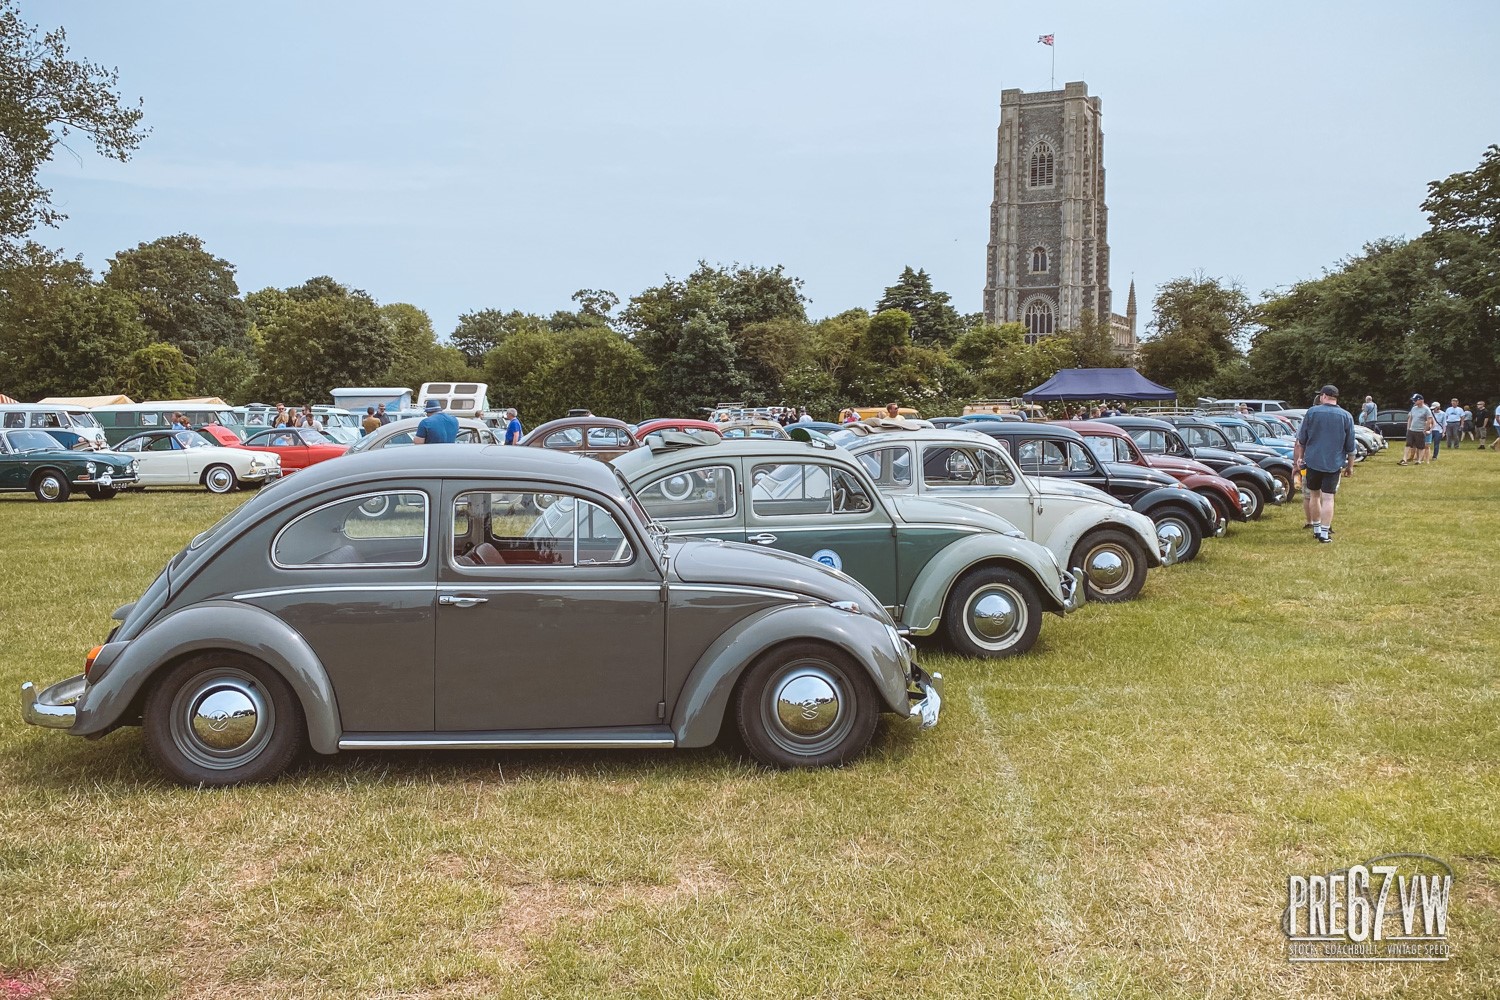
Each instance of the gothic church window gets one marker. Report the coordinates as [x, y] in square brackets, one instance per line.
[1041, 165]
[1038, 260]
[1038, 319]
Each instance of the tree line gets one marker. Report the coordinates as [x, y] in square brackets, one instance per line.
[166, 318]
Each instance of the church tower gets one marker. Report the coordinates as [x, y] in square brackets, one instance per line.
[1048, 260]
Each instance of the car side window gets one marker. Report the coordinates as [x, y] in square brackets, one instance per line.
[945, 465]
[149, 419]
[160, 444]
[888, 466]
[568, 437]
[1079, 459]
[606, 437]
[535, 529]
[373, 529]
[700, 493]
[1041, 456]
[1103, 447]
[793, 488]
[15, 420]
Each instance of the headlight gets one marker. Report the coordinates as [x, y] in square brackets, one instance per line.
[133, 466]
[91, 467]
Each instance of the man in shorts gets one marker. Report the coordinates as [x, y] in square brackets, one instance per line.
[1325, 451]
[1482, 424]
[1418, 424]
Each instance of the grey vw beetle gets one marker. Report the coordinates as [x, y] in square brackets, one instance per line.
[464, 617]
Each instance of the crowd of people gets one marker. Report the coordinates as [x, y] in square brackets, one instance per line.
[1428, 428]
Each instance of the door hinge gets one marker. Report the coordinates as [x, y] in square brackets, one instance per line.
[661, 711]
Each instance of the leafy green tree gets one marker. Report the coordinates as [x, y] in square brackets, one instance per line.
[597, 303]
[518, 371]
[887, 337]
[416, 355]
[1198, 324]
[226, 373]
[186, 295]
[157, 371]
[1093, 343]
[982, 346]
[322, 335]
[934, 320]
[702, 370]
[45, 96]
[478, 333]
[60, 334]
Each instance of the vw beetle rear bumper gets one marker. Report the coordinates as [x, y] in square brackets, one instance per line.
[53, 707]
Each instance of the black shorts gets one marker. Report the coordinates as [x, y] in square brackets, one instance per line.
[1416, 439]
[1321, 482]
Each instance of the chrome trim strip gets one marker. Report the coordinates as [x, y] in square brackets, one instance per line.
[402, 741]
[457, 585]
[731, 589]
[332, 588]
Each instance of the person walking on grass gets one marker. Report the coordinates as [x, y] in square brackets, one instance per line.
[1439, 428]
[1367, 412]
[1418, 423]
[1453, 425]
[1482, 425]
[1325, 451]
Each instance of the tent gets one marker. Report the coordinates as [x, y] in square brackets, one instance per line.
[89, 401]
[5, 399]
[1099, 383]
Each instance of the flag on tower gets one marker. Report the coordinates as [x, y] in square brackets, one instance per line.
[1044, 39]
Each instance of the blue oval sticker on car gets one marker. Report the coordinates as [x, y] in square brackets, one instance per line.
[828, 557]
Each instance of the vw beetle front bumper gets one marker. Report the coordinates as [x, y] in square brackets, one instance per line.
[925, 695]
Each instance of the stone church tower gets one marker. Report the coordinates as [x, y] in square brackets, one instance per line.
[1048, 261]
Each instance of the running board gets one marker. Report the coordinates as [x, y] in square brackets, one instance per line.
[634, 737]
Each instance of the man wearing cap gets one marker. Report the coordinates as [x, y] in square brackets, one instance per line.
[1418, 424]
[1325, 450]
[438, 427]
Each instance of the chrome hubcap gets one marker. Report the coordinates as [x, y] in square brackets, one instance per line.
[51, 488]
[1247, 501]
[994, 615]
[1172, 536]
[222, 719]
[807, 703]
[219, 479]
[1107, 567]
[806, 709]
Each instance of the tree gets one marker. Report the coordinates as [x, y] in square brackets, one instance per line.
[478, 333]
[934, 320]
[321, 335]
[186, 295]
[1093, 342]
[887, 337]
[1198, 324]
[44, 97]
[60, 334]
[596, 302]
[226, 373]
[157, 371]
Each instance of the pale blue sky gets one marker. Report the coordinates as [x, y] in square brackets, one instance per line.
[467, 155]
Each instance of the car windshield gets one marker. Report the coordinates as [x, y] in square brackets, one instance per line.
[28, 440]
[1238, 433]
[82, 420]
[191, 439]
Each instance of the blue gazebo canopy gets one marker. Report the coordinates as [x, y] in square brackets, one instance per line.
[1099, 383]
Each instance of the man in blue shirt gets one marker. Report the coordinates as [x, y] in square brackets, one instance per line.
[512, 427]
[437, 427]
[1325, 448]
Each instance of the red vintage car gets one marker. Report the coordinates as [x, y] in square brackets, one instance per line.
[1112, 444]
[676, 424]
[298, 447]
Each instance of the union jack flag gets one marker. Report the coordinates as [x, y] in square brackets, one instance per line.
[1044, 39]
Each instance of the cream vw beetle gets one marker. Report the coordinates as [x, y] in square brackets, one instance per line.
[1082, 526]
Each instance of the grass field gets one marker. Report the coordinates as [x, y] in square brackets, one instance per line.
[1114, 815]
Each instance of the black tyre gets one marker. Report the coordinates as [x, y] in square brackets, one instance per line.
[220, 479]
[50, 486]
[223, 719]
[993, 613]
[1287, 481]
[1179, 529]
[103, 493]
[1114, 565]
[806, 705]
[1252, 500]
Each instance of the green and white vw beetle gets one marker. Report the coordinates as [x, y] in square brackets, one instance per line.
[935, 564]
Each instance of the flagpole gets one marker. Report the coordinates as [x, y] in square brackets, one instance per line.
[1052, 77]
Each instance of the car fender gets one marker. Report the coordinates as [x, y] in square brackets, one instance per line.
[212, 625]
[1080, 522]
[704, 698]
[1176, 496]
[924, 603]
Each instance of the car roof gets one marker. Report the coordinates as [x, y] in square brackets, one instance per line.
[588, 421]
[1096, 427]
[782, 449]
[1153, 423]
[1026, 428]
[455, 462]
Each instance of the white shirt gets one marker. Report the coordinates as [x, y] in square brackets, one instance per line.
[1453, 413]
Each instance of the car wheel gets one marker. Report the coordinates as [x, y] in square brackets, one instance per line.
[1178, 530]
[993, 613]
[1252, 500]
[103, 493]
[375, 506]
[1286, 479]
[223, 719]
[219, 479]
[1114, 565]
[806, 705]
[51, 486]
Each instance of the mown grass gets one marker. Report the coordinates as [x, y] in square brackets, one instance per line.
[1114, 815]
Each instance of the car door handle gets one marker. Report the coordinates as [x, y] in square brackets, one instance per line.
[764, 538]
[461, 602]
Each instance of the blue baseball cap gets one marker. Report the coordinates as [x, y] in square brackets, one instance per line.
[432, 406]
